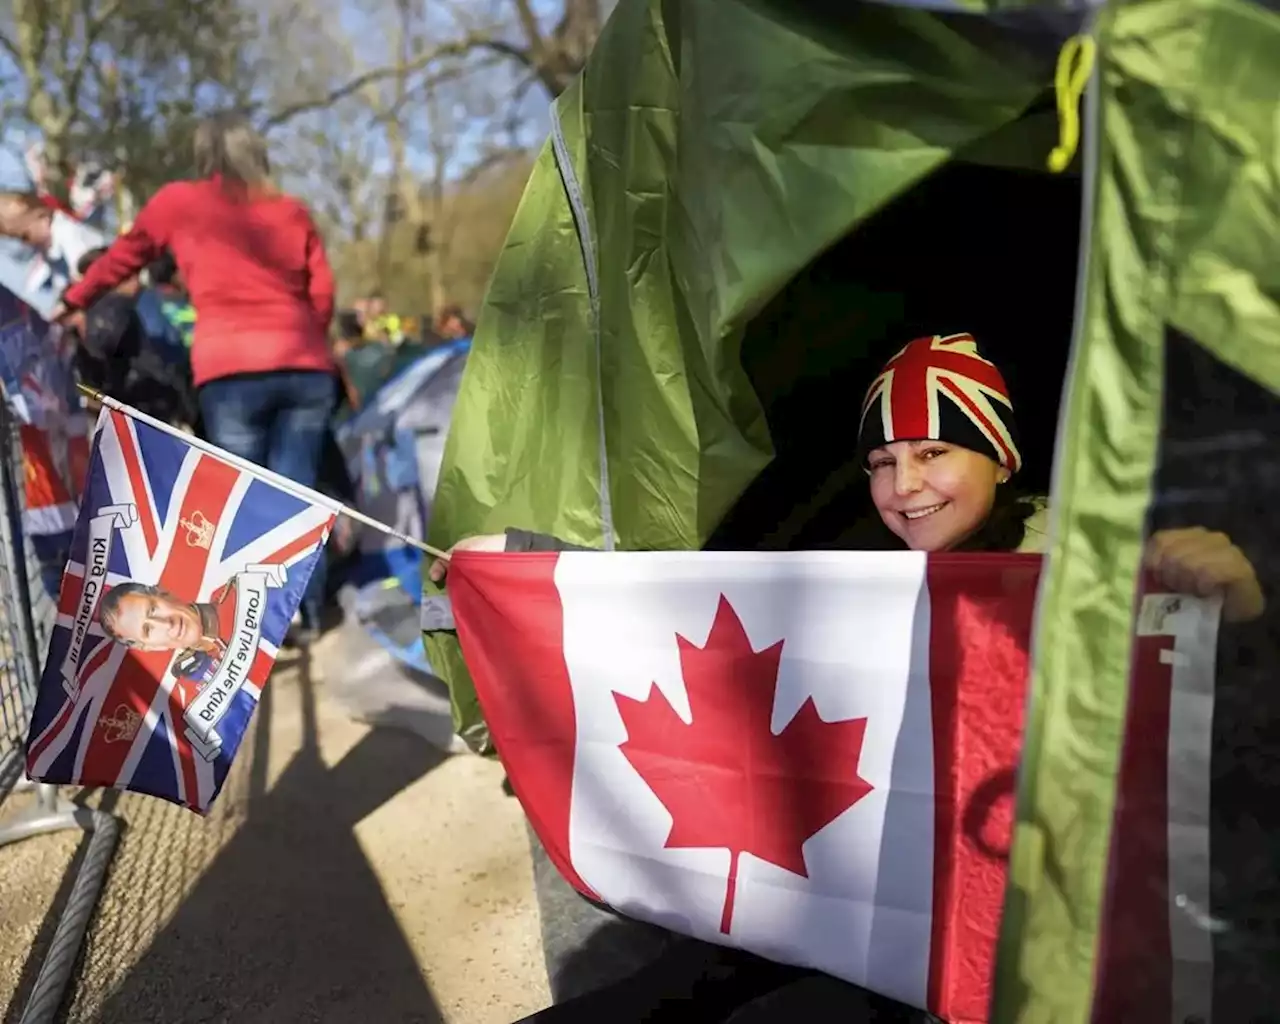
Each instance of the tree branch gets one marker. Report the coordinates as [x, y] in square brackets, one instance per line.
[529, 25]
[33, 39]
[457, 48]
[93, 29]
[511, 123]
[10, 48]
[494, 158]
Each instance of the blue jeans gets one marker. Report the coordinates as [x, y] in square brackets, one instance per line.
[277, 420]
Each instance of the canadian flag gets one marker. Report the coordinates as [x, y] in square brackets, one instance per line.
[813, 755]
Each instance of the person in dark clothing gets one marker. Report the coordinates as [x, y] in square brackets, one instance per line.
[116, 356]
[364, 363]
[111, 335]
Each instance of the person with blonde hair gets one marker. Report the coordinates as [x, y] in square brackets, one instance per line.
[263, 292]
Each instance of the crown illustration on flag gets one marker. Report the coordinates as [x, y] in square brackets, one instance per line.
[940, 388]
[122, 726]
[199, 530]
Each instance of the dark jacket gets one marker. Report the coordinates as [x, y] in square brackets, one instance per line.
[524, 540]
[116, 357]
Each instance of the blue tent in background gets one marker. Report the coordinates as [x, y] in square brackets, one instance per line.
[393, 449]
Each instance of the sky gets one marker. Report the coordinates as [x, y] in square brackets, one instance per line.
[12, 172]
[361, 26]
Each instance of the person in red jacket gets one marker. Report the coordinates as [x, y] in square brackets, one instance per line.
[257, 274]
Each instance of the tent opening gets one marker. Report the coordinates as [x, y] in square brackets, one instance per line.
[984, 249]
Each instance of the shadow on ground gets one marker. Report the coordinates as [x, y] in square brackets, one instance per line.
[287, 922]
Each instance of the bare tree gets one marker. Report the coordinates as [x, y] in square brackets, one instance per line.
[102, 78]
[51, 47]
[391, 117]
[548, 52]
[435, 234]
[466, 148]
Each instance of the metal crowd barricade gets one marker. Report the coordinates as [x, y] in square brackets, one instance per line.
[26, 618]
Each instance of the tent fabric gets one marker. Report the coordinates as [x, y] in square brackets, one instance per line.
[582, 224]
[707, 192]
[1184, 237]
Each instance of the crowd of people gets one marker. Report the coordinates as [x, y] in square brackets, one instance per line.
[370, 344]
[215, 312]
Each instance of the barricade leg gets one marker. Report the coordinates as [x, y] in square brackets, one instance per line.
[49, 814]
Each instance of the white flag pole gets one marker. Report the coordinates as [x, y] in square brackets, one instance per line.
[297, 490]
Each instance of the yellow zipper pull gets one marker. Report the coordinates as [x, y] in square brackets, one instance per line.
[1075, 65]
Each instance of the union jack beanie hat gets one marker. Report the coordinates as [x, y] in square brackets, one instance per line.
[941, 389]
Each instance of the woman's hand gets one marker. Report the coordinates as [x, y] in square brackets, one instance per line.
[485, 542]
[1206, 564]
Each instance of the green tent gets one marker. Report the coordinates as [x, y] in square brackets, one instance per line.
[744, 204]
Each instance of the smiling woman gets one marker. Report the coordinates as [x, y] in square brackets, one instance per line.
[939, 443]
[932, 495]
[938, 440]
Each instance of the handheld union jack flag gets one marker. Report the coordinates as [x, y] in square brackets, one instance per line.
[185, 572]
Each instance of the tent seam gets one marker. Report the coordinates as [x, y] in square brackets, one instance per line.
[586, 244]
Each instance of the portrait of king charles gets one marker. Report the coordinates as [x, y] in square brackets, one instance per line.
[147, 618]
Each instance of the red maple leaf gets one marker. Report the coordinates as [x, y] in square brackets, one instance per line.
[726, 779]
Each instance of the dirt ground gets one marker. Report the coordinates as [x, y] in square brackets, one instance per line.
[347, 873]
